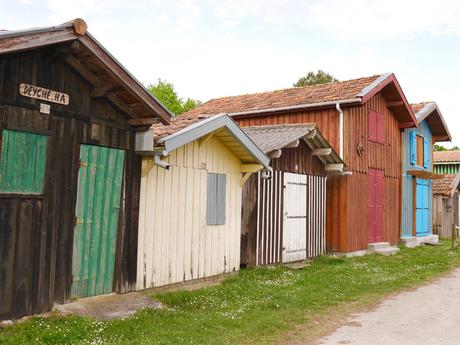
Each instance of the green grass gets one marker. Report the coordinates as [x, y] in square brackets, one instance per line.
[258, 306]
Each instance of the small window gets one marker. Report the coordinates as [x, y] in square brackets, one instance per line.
[22, 162]
[420, 151]
[216, 195]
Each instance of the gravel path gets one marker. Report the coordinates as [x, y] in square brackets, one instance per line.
[429, 315]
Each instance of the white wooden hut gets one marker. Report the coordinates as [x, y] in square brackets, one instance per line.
[190, 201]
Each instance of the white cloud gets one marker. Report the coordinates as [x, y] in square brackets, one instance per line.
[372, 20]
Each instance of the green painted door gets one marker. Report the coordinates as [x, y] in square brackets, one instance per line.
[98, 204]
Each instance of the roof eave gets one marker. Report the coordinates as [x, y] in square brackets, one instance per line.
[350, 101]
[429, 109]
[379, 84]
[209, 125]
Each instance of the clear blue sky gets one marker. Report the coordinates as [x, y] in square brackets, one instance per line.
[217, 48]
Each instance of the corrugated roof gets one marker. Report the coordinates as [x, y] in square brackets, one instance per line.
[275, 137]
[329, 92]
[447, 185]
[270, 138]
[446, 156]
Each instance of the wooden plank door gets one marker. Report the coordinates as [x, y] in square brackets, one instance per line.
[376, 182]
[295, 218]
[98, 203]
[422, 212]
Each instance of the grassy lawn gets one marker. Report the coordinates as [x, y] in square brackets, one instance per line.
[257, 307]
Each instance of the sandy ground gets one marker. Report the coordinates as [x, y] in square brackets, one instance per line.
[108, 307]
[425, 316]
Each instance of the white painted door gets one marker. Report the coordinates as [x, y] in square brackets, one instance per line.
[295, 217]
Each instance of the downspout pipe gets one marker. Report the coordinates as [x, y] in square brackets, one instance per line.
[340, 111]
[267, 173]
[159, 162]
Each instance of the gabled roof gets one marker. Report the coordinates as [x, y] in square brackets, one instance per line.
[86, 55]
[169, 138]
[276, 137]
[430, 112]
[350, 92]
[446, 156]
[446, 186]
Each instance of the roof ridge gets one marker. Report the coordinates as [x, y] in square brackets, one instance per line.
[296, 88]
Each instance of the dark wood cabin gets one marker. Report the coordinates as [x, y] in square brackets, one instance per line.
[362, 119]
[69, 178]
[284, 217]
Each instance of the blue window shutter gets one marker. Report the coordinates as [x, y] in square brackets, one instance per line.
[413, 148]
[425, 153]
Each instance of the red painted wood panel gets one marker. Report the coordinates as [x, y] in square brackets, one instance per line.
[376, 191]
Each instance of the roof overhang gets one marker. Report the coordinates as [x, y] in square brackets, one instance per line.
[433, 116]
[223, 127]
[85, 54]
[389, 87]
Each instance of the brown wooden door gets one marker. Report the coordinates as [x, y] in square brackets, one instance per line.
[375, 185]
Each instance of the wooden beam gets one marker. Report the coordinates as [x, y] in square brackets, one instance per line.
[79, 25]
[95, 81]
[205, 139]
[245, 177]
[392, 104]
[105, 90]
[333, 167]
[250, 168]
[311, 135]
[294, 144]
[142, 121]
[26, 42]
[403, 125]
[274, 154]
[321, 152]
[86, 73]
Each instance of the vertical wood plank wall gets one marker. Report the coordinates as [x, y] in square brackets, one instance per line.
[36, 232]
[346, 216]
[175, 243]
[262, 211]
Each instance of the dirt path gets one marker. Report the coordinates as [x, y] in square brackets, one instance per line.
[425, 316]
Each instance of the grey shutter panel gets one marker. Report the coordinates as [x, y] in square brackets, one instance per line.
[216, 199]
[211, 202]
[221, 197]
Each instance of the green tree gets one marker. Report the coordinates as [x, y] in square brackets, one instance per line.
[313, 78]
[167, 95]
[442, 148]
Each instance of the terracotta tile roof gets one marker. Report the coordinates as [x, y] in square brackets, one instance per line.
[446, 186]
[416, 107]
[446, 156]
[334, 91]
[177, 123]
[270, 138]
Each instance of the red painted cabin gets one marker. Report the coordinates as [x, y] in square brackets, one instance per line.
[364, 206]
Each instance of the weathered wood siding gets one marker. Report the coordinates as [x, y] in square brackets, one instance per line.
[347, 195]
[37, 231]
[175, 243]
[445, 213]
[263, 207]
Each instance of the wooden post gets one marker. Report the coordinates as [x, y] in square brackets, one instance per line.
[454, 236]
